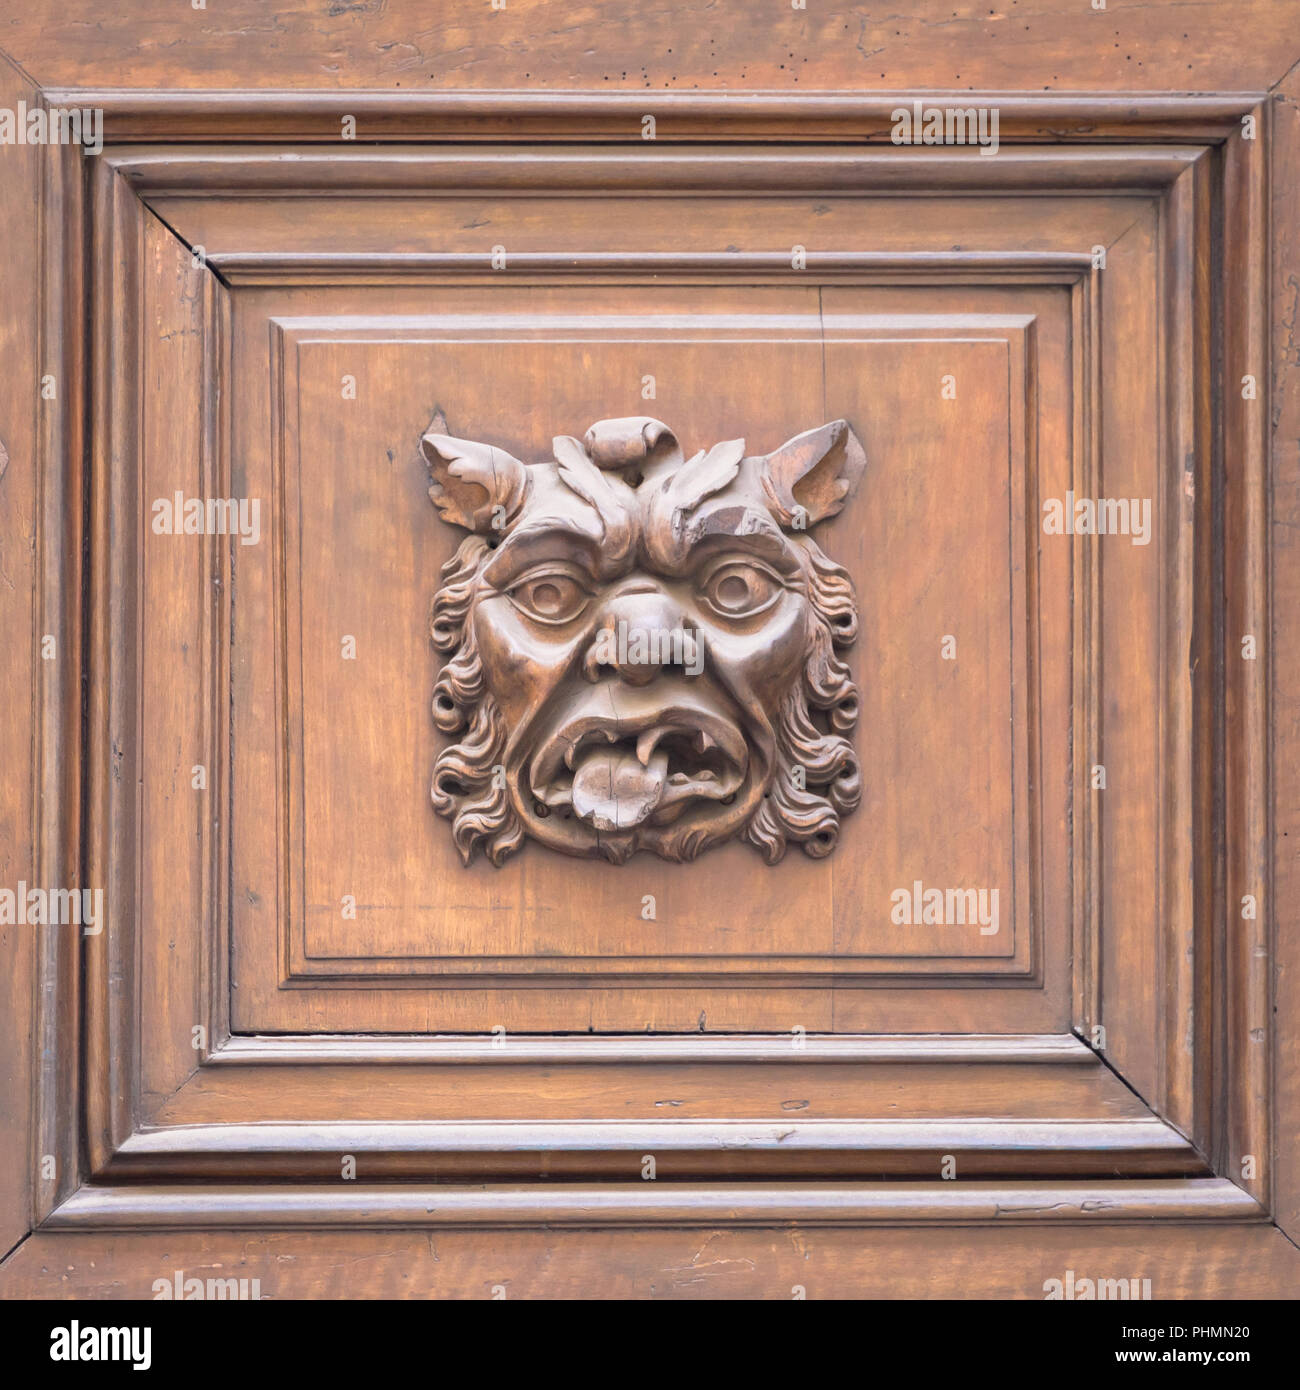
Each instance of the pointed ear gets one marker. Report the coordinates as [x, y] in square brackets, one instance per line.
[477, 486]
[813, 474]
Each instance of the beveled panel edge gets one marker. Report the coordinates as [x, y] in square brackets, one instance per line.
[61, 447]
[680, 1149]
[1021, 969]
[287, 269]
[312, 1049]
[1261, 558]
[108, 1035]
[1252, 1049]
[146, 1207]
[138, 113]
[1281, 481]
[1186, 748]
[704, 170]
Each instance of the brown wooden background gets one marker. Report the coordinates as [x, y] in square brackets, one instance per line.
[1130, 110]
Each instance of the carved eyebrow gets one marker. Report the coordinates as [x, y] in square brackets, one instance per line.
[543, 540]
[723, 529]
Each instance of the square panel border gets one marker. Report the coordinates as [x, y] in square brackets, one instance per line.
[1212, 216]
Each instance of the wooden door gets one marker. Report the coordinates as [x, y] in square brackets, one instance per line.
[667, 663]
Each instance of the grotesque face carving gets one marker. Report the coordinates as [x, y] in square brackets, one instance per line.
[644, 648]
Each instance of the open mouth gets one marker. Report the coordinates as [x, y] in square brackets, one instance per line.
[616, 774]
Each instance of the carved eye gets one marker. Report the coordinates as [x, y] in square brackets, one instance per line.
[739, 589]
[549, 596]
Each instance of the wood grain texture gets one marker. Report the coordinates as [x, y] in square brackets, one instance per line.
[283, 1050]
[59, 686]
[337, 950]
[377, 1092]
[1284, 602]
[954, 45]
[1248, 1036]
[111, 787]
[811, 1049]
[651, 1204]
[184, 615]
[313, 115]
[711, 1009]
[1134, 376]
[159, 171]
[709, 1261]
[20, 583]
[683, 1147]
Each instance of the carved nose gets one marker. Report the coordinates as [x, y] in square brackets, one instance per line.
[640, 637]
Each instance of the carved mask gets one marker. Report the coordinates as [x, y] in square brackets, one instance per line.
[644, 649]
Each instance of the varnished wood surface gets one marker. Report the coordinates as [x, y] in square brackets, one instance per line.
[1171, 1148]
[19, 474]
[651, 1204]
[1062, 1048]
[956, 45]
[314, 115]
[712, 1261]
[374, 1091]
[1284, 693]
[683, 1148]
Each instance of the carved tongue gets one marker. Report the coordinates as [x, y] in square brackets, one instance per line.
[614, 791]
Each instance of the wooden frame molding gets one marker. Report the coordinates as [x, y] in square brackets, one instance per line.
[1062, 1049]
[303, 968]
[134, 1208]
[272, 116]
[1153, 1133]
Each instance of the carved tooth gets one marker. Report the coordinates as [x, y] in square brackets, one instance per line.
[706, 775]
[678, 779]
[645, 745]
[574, 748]
[703, 742]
